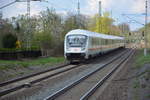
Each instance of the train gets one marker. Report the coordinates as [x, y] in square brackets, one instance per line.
[83, 44]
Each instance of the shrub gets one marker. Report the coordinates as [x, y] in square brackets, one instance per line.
[9, 41]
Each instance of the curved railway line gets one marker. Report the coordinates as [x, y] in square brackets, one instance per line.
[74, 90]
[27, 81]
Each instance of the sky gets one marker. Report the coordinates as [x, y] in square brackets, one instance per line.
[121, 10]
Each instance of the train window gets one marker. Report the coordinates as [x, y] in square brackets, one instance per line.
[112, 42]
[92, 41]
[95, 41]
[109, 41]
[76, 40]
[103, 42]
[106, 41]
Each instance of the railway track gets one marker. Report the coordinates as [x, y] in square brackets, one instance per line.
[27, 81]
[84, 87]
[100, 82]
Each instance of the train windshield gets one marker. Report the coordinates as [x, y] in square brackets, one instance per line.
[76, 40]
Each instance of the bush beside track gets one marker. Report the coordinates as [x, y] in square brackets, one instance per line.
[140, 86]
[18, 53]
[141, 60]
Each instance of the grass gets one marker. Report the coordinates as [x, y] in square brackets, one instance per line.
[7, 64]
[141, 59]
[136, 84]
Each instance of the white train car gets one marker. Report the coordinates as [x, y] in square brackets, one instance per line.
[82, 44]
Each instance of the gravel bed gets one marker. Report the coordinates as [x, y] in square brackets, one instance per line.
[127, 84]
[49, 86]
[17, 71]
[79, 90]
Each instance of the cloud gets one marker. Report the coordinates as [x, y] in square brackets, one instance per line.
[93, 5]
[121, 6]
[64, 13]
[21, 5]
[107, 5]
[148, 18]
[138, 6]
[35, 8]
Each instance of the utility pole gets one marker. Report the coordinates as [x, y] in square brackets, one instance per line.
[78, 16]
[111, 14]
[145, 49]
[100, 14]
[28, 30]
[100, 9]
[110, 24]
[29, 24]
[28, 9]
[78, 8]
[1, 14]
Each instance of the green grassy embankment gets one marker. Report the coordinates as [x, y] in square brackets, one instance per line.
[8, 64]
[141, 82]
[141, 59]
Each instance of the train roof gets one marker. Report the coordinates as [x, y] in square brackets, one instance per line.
[93, 34]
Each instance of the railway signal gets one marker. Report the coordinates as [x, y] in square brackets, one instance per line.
[143, 33]
[129, 33]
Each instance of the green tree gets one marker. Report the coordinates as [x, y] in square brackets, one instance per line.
[49, 32]
[6, 28]
[73, 21]
[25, 32]
[9, 41]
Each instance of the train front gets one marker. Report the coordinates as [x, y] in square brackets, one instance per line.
[75, 47]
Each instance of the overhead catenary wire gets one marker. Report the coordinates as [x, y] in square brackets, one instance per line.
[132, 19]
[8, 4]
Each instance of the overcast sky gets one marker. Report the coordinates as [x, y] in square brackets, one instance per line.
[88, 7]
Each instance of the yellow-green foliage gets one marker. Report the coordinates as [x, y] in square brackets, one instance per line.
[103, 24]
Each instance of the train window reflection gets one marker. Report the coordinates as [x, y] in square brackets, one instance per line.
[76, 40]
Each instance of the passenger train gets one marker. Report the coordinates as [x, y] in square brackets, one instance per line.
[82, 44]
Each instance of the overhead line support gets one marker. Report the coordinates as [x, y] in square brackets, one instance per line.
[145, 49]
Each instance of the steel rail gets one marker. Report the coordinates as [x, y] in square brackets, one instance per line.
[29, 84]
[7, 91]
[61, 91]
[100, 83]
[31, 75]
